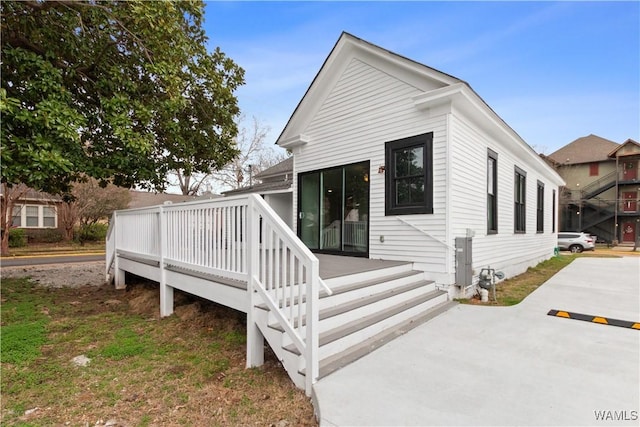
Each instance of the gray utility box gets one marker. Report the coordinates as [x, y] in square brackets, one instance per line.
[464, 261]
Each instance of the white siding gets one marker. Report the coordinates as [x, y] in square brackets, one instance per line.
[281, 203]
[365, 109]
[507, 251]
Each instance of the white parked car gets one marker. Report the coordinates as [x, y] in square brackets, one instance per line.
[575, 242]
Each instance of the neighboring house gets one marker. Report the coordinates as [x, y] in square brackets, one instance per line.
[143, 199]
[395, 160]
[601, 188]
[36, 210]
[275, 188]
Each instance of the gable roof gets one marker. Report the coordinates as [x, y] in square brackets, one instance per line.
[344, 48]
[627, 148]
[436, 88]
[587, 149]
[143, 199]
[283, 168]
[277, 178]
[34, 196]
[262, 188]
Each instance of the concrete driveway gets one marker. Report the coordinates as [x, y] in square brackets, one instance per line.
[506, 365]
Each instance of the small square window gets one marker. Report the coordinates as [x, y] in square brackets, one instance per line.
[409, 183]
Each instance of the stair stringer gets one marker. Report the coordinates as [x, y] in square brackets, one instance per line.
[291, 362]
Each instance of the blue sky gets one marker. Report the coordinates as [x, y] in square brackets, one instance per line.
[554, 71]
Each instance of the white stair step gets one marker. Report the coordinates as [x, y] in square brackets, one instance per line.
[360, 329]
[356, 290]
[353, 353]
[331, 317]
[337, 282]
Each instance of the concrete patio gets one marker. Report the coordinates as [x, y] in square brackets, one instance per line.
[506, 365]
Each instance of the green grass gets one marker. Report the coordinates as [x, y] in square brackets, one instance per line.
[21, 342]
[23, 324]
[512, 291]
[127, 343]
[143, 370]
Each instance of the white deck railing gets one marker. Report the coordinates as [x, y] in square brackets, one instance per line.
[239, 238]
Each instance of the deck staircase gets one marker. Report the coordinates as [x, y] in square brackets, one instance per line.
[237, 252]
[365, 311]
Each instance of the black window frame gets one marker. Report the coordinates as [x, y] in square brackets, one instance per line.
[540, 207]
[425, 141]
[520, 201]
[492, 199]
[553, 211]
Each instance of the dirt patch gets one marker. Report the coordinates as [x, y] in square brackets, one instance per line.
[190, 369]
[61, 275]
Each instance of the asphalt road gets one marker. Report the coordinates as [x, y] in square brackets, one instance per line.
[49, 259]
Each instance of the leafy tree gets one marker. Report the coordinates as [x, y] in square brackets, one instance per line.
[123, 92]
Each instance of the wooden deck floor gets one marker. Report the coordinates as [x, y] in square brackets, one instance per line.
[335, 266]
[331, 266]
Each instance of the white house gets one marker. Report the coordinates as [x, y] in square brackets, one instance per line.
[401, 170]
[423, 160]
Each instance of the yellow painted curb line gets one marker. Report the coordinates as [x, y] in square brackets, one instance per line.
[595, 319]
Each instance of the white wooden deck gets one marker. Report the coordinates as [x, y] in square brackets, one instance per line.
[332, 266]
[315, 310]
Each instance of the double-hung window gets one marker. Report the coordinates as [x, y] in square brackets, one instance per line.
[16, 217]
[520, 189]
[409, 175]
[540, 209]
[34, 216]
[553, 211]
[492, 192]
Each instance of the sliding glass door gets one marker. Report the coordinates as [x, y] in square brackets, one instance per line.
[333, 209]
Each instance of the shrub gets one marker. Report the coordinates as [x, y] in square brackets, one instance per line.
[92, 232]
[17, 238]
[44, 235]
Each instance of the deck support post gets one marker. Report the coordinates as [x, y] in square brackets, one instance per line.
[166, 291]
[118, 276]
[255, 339]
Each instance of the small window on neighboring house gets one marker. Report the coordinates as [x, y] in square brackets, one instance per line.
[48, 216]
[553, 211]
[16, 218]
[593, 169]
[32, 216]
[492, 192]
[540, 209]
[520, 188]
[409, 175]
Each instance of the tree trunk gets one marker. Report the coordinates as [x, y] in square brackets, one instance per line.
[9, 197]
[68, 215]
